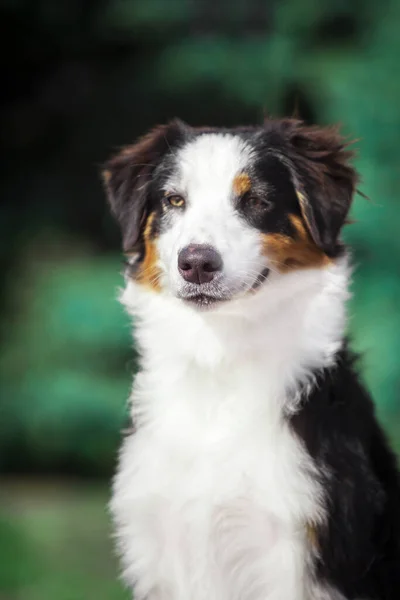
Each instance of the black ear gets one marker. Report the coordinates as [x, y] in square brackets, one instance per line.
[325, 181]
[127, 175]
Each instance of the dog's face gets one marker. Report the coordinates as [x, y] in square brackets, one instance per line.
[209, 215]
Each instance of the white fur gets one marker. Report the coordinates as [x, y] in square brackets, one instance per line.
[214, 491]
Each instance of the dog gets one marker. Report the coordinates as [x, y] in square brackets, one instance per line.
[256, 469]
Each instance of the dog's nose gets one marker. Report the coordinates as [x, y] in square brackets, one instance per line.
[198, 263]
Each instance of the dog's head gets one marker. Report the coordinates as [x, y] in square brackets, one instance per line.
[208, 215]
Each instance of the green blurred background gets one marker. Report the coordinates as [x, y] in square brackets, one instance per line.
[79, 78]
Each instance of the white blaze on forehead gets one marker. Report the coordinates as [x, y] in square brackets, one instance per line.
[207, 166]
[204, 175]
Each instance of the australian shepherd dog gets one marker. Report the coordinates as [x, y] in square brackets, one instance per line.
[256, 468]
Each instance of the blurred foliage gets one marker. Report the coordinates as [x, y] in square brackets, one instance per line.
[65, 368]
[92, 76]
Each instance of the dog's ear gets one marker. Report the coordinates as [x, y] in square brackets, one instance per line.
[127, 175]
[324, 179]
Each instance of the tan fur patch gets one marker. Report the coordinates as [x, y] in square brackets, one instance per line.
[241, 184]
[149, 273]
[106, 174]
[288, 253]
[312, 536]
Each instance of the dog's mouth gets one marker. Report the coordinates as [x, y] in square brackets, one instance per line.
[204, 300]
[260, 279]
[205, 295]
[210, 294]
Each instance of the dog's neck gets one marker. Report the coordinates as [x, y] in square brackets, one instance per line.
[281, 335]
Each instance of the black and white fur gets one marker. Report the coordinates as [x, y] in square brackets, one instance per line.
[257, 469]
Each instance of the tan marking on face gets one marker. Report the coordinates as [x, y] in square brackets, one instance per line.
[312, 536]
[106, 174]
[291, 253]
[241, 184]
[149, 273]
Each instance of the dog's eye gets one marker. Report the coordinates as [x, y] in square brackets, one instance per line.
[258, 202]
[175, 200]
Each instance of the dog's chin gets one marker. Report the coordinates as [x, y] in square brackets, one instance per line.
[204, 301]
[208, 296]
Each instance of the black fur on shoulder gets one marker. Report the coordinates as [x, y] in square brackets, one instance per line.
[359, 546]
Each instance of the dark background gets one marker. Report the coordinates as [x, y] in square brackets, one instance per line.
[78, 79]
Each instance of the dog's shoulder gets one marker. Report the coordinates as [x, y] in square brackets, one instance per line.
[359, 543]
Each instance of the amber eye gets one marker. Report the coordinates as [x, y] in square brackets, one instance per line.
[175, 200]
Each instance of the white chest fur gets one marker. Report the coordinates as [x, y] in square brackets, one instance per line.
[217, 516]
[214, 492]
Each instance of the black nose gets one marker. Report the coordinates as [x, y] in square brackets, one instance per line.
[199, 263]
